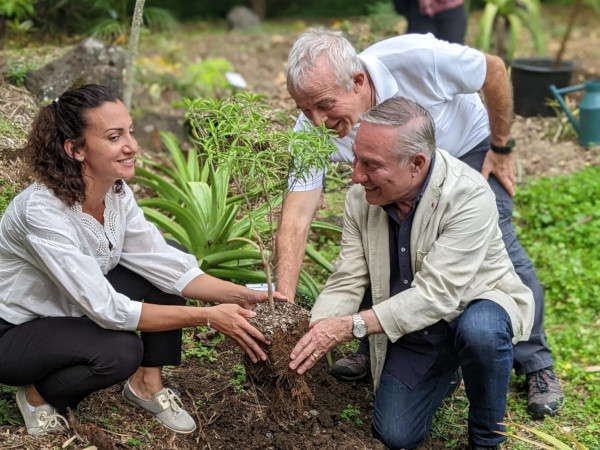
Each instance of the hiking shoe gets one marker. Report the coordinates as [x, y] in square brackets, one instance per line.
[166, 407]
[544, 394]
[454, 383]
[354, 367]
[44, 419]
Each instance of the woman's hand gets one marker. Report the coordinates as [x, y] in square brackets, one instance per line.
[322, 337]
[254, 297]
[210, 289]
[230, 319]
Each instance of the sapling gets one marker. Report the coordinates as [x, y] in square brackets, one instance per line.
[242, 135]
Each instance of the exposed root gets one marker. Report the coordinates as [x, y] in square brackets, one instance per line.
[286, 390]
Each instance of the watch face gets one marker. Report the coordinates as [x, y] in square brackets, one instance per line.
[359, 330]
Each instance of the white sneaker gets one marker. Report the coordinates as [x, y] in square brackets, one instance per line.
[167, 408]
[44, 419]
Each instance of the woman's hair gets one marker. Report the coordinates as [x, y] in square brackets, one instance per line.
[302, 60]
[63, 119]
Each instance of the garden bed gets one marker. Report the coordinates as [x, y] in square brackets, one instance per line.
[230, 410]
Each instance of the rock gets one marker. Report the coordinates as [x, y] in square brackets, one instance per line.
[315, 430]
[90, 62]
[148, 126]
[242, 18]
[326, 421]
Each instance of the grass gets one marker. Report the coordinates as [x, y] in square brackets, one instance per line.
[12, 129]
[7, 193]
[558, 222]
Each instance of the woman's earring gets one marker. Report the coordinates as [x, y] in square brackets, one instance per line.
[80, 158]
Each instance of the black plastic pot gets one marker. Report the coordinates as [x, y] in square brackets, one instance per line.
[531, 80]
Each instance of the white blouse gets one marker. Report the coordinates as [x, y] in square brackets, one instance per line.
[53, 259]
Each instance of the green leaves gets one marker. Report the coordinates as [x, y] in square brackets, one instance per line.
[517, 14]
[558, 222]
[225, 191]
[19, 9]
[240, 136]
[193, 207]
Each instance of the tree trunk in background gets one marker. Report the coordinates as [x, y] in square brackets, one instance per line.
[259, 7]
[563, 43]
[136, 24]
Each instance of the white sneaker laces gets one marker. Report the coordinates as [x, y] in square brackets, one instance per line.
[171, 401]
[52, 421]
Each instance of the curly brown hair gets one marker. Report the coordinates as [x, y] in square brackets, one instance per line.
[61, 120]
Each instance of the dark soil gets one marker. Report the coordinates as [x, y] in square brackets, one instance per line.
[227, 418]
[287, 391]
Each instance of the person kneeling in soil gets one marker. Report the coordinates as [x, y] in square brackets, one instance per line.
[77, 257]
[421, 228]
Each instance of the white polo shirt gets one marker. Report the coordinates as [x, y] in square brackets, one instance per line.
[444, 78]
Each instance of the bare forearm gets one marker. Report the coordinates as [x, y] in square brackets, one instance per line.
[210, 289]
[298, 212]
[497, 93]
[229, 319]
[289, 256]
[372, 322]
[163, 317]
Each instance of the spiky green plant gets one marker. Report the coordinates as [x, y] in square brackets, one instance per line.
[503, 21]
[239, 135]
[193, 207]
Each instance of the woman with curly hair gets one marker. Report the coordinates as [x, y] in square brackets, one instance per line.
[77, 257]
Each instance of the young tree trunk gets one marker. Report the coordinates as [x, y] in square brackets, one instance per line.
[2, 31]
[136, 24]
[259, 7]
[563, 43]
[267, 267]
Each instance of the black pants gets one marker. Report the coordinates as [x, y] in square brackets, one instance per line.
[68, 358]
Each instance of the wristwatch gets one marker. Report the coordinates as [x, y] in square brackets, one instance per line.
[505, 149]
[359, 327]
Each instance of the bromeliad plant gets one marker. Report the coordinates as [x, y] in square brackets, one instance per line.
[503, 21]
[239, 136]
[194, 208]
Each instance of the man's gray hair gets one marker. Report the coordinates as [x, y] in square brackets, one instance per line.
[416, 130]
[302, 60]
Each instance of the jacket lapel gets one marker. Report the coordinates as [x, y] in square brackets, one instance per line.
[377, 241]
[427, 206]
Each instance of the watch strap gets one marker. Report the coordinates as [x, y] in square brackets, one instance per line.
[504, 149]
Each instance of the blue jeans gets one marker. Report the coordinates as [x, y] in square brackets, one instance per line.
[482, 346]
[533, 354]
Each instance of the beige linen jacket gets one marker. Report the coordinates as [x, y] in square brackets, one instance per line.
[457, 256]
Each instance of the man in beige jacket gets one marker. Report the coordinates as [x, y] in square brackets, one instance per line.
[421, 228]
